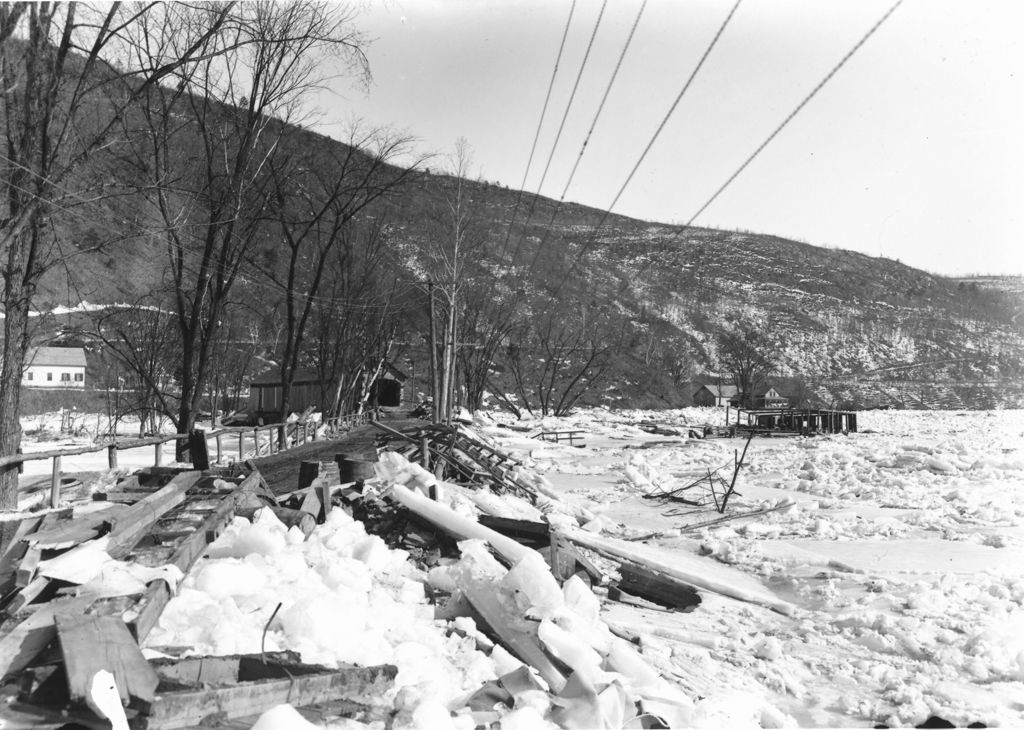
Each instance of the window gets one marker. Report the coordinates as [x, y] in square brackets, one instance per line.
[79, 377]
[49, 376]
[65, 377]
[28, 375]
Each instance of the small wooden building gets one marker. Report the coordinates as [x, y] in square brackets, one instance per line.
[718, 396]
[388, 389]
[265, 394]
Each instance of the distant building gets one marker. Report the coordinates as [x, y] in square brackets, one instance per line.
[717, 396]
[387, 389]
[265, 394]
[771, 398]
[54, 367]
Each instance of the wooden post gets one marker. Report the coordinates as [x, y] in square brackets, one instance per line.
[241, 453]
[198, 449]
[55, 483]
[308, 471]
[220, 449]
[112, 456]
[158, 453]
[425, 453]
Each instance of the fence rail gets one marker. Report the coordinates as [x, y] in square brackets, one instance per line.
[279, 437]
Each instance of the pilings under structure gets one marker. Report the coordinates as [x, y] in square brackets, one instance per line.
[796, 420]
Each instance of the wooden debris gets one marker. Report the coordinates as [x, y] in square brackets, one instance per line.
[457, 525]
[685, 571]
[133, 522]
[261, 686]
[19, 646]
[91, 643]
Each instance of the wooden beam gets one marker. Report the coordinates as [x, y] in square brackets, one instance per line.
[21, 645]
[158, 593]
[187, 709]
[133, 522]
[91, 643]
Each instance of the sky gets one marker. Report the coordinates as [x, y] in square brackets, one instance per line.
[913, 150]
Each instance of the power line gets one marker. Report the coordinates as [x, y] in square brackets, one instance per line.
[565, 116]
[647, 149]
[536, 136]
[586, 140]
[773, 135]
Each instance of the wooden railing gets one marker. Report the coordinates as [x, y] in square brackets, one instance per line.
[293, 434]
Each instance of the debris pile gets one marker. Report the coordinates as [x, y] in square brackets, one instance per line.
[442, 586]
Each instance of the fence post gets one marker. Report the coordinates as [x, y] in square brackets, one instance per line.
[241, 454]
[112, 456]
[55, 483]
[199, 450]
[158, 454]
[220, 449]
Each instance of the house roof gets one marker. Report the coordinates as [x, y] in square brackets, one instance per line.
[273, 377]
[721, 391]
[56, 356]
[394, 372]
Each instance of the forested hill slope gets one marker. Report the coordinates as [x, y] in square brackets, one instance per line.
[857, 329]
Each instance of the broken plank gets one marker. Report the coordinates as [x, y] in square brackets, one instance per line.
[28, 566]
[691, 571]
[93, 643]
[524, 531]
[26, 595]
[184, 709]
[21, 645]
[68, 533]
[133, 522]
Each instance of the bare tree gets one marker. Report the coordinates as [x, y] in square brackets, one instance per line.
[68, 77]
[203, 151]
[749, 353]
[559, 354]
[317, 194]
[357, 317]
[456, 237]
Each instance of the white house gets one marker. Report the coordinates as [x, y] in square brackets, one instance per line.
[54, 367]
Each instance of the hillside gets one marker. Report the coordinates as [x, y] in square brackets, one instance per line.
[859, 330]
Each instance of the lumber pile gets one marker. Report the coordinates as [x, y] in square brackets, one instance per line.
[69, 651]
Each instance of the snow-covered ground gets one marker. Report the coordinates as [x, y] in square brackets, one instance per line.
[902, 547]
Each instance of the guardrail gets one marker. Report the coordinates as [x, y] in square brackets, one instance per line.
[291, 434]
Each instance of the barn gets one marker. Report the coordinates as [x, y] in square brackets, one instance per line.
[717, 396]
[265, 394]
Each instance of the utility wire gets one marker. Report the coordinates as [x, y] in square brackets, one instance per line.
[828, 77]
[647, 149]
[590, 132]
[536, 135]
[565, 115]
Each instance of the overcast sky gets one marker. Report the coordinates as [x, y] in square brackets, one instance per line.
[914, 150]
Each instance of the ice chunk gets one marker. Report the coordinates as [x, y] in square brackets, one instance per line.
[536, 591]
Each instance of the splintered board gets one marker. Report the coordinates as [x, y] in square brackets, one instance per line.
[90, 644]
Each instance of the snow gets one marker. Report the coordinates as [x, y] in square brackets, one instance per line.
[901, 547]
[898, 552]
